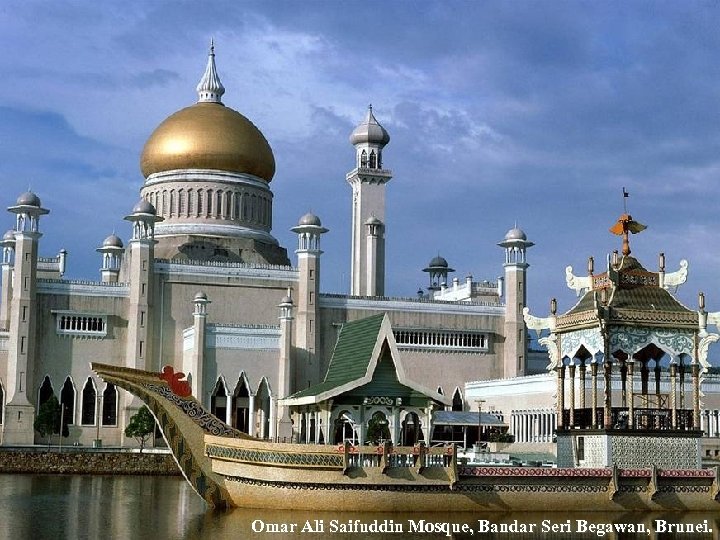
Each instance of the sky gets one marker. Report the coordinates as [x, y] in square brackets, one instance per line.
[500, 113]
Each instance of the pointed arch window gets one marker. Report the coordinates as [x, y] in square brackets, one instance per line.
[363, 159]
[89, 403]
[67, 401]
[109, 405]
[373, 159]
[46, 391]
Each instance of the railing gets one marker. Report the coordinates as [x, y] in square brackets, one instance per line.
[399, 456]
[644, 419]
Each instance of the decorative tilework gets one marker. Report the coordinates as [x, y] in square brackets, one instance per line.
[283, 459]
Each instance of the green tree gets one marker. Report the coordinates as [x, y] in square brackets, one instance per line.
[141, 426]
[47, 421]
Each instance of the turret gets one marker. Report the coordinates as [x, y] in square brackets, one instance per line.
[197, 361]
[375, 257]
[367, 180]
[515, 244]
[112, 250]
[438, 270]
[8, 260]
[21, 347]
[307, 368]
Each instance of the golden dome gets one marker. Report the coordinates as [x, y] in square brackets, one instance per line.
[208, 135]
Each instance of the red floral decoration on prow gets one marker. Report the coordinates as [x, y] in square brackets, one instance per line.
[178, 386]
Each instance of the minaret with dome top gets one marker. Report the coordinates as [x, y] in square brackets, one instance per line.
[368, 180]
[22, 328]
[207, 171]
[515, 244]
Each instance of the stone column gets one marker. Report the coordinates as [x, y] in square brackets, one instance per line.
[572, 394]
[629, 391]
[583, 369]
[673, 395]
[251, 415]
[560, 395]
[607, 394]
[696, 394]
[593, 374]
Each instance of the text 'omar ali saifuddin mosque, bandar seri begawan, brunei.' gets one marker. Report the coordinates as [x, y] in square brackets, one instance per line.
[202, 285]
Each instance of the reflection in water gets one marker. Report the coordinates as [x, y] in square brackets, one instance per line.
[157, 508]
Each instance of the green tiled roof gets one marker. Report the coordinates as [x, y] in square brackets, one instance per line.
[351, 357]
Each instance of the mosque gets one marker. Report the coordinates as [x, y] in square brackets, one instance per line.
[201, 284]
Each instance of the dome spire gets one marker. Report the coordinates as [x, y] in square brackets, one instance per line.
[210, 89]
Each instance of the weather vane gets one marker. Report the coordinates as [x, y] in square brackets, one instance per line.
[626, 225]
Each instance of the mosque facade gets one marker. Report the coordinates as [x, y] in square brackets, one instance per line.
[202, 285]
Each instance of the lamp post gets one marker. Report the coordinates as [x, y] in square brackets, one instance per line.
[479, 404]
[98, 416]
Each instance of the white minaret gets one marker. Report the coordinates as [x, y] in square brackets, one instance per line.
[307, 362]
[197, 361]
[375, 251]
[367, 180]
[284, 424]
[139, 273]
[112, 251]
[142, 243]
[19, 410]
[515, 347]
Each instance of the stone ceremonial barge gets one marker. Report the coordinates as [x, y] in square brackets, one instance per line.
[629, 447]
[228, 468]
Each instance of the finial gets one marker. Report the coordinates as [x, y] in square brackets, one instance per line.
[625, 224]
[701, 301]
[591, 265]
[370, 107]
[210, 89]
[553, 306]
[662, 262]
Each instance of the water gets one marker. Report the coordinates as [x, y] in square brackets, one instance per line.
[158, 508]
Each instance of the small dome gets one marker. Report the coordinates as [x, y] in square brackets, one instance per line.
[9, 236]
[438, 262]
[286, 300]
[370, 131]
[28, 199]
[144, 207]
[515, 234]
[113, 241]
[200, 296]
[310, 219]
[372, 220]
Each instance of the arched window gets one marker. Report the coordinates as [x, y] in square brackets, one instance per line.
[67, 401]
[236, 205]
[2, 403]
[218, 204]
[200, 205]
[241, 404]
[218, 401]
[109, 406]
[457, 402]
[363, 159]
[89, 401]
[210, 205]
[181, 203]
[373, 159]
[172, 202]
[46, 391]
[191, 202]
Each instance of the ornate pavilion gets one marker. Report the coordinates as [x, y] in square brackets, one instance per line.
[639, 346]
